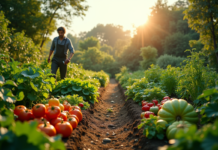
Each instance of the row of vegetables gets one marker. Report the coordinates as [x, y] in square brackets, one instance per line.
[52, 118]
[186, 125]
[37, 111]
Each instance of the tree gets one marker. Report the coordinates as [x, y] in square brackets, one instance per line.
[26, 15]
[61, 10]
[75, 40]
[16, 45]
[149, 55]
[107, 34]
[107, 49]
[89, 42]
[202, 16]
[176, 44]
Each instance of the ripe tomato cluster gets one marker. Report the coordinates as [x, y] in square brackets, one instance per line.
[153, 107]
[52, 118]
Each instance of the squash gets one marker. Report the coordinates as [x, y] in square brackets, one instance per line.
[175, 127]
[176, 110]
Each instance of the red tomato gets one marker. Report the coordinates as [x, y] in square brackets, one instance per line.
[158, 105]
[81, 105]
[63, 115]
[47, 129]
[67, 106]
[73, 122]
[148, 113]
[53, 112]
[74, 116]
[145, 108]
[155, 101]
[56, 120]
[150, 104]
[64, 128]
[144, 103]
[163, 101]
[25, 115]
[75, 107]
[18, 109]
[166, 97]
[40, 120]
[76, 112]
[39, 110]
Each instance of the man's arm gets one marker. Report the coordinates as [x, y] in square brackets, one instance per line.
[71, 49]
[51, 50]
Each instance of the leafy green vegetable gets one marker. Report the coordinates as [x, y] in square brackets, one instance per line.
[151, 129]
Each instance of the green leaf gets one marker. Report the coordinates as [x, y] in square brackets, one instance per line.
[208, 92]
[32, 97]
[2, 80]
[209, 142]
[77, 88]
[212, 110]
[33, 86]
[7, 95]
[85, 92]
[20, 96]
[64, 91]
[10, 82]
[30, 73]
[160, 136]
[45, 94]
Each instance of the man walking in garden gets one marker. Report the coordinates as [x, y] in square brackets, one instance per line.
[60, 46]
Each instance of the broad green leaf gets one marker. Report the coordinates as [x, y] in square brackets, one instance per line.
[10, 82]
[45, 94]
[212, 110]
[2, 80]
[20, 96]
[77, 88]
[69, 90]
[33, 86]
[209, 142]
[30, 73]
[85, 92]
[64, 91]
[32, 97]
[208, 92]
[7, 95]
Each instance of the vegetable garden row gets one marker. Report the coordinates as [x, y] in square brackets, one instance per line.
[37, 111]
[189, 119]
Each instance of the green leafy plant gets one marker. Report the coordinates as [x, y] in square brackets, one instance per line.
[151, 129]
[169, 80]
[74, 100]
[153, 93]
[153, 73]
[209, 110]
[202, 139]
[76, 86]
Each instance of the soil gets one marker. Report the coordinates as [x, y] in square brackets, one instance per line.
[113, 117]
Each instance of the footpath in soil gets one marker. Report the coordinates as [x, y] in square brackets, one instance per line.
[111, 125]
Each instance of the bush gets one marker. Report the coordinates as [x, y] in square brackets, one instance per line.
[153, 73]
[153, 93]
[164, 60]
[169, 80]
[149, 55]
[76, 86]
[195, 77]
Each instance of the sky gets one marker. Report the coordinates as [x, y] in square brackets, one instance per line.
[127, 13]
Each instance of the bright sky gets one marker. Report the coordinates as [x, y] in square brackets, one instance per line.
[127, 13]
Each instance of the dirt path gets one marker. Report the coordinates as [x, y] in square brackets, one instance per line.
[112, 118]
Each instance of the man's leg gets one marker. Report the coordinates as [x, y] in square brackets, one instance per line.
[54, 67]
[63, 70]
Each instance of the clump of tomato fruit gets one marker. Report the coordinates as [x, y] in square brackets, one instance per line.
[52, 118]
[152, 108]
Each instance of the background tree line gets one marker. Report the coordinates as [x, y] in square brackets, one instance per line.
[169, 31]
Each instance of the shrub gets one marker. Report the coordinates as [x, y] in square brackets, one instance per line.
[169, 80]
[153, 73]
[149, 55]
[195, 77]
[164, 60]
[153, 93]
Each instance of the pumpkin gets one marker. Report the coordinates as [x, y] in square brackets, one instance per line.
[176, 126]
[176, 110]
